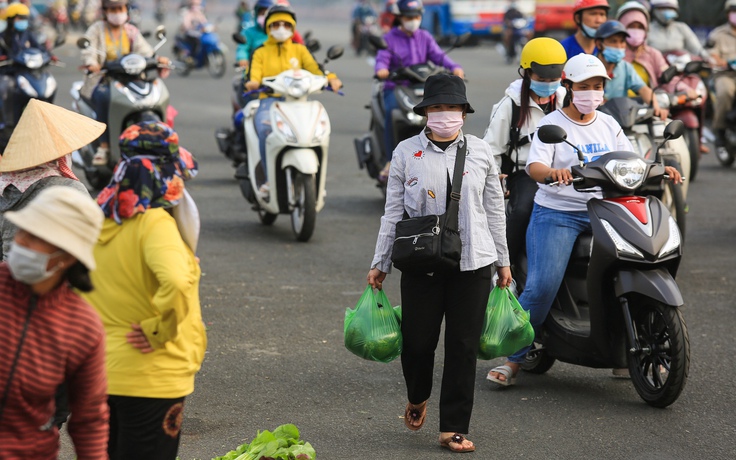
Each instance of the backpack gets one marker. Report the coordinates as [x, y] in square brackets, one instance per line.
[510, 165]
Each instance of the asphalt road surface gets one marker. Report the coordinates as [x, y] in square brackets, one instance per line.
[274, 309]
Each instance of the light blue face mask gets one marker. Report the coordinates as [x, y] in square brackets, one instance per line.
[588, 31]
[543, 88]
[3, 25]
[665, 16]
[21, 25]
[614, 55]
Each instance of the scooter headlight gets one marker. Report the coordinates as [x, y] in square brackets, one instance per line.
[673, 242]
[297, 87]
[34, 61]
[50, 87]
[284, 128]
[26, 86]
[622, 245]
[133, 64]
[628, 174]
[322, 129]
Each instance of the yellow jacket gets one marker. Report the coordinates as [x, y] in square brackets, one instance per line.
[147, 275]
[273, 58]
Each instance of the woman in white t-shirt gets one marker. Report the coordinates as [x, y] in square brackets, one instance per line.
[560, 212]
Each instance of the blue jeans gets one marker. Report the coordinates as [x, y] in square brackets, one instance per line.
[263, 127]
[549, 241]
[101, 102]
[389, 104]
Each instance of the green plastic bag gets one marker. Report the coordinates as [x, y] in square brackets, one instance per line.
[373, 329]
[506, 326]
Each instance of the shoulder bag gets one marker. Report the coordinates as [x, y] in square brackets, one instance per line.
[429, 244]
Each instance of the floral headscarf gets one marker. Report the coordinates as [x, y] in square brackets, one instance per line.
[150, 174]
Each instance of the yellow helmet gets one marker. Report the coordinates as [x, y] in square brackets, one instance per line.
[544, 56]
[17, 9]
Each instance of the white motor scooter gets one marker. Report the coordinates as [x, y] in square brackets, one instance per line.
[296, 151]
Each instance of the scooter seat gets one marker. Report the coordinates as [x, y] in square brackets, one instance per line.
[583, 246]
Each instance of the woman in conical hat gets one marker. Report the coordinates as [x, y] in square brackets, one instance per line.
[38, 156]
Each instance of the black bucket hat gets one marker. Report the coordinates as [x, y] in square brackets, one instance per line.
[443, 89]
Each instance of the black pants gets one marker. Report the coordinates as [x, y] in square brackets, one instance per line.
[144, 428]
[460, 298]
[522, 189]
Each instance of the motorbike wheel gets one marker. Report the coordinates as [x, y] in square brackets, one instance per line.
[675, 202]
[659, 371]
[537, 361]
[266, 217]
[216, 64]
[304, 211]
[726, 156]
[692, 138]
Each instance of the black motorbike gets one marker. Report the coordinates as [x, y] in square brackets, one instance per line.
[619, 304]
[28, 76]
[370, 147]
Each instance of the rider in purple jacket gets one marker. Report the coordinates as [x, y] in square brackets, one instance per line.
[407, 45]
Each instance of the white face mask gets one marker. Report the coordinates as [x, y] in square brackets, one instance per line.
[117, 19]
[3, 25]
[281, 34]
[29, 266]
[412, 25]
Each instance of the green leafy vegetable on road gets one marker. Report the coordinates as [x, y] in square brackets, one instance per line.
[281, 444]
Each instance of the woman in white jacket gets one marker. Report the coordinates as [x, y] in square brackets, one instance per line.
[513, 123]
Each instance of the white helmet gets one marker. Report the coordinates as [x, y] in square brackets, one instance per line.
[582, 67]
[674, 4]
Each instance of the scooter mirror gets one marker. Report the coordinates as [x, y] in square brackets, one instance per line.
[462, 40]
[313, 45]
[668, 74]
[238, 38]
[694, 67]
[551, 134]
[160, 32]
[83, 43]
[674, 130]
[306, 36]
[146, 34]
[378, 42]
[335, 52]
[60, 40]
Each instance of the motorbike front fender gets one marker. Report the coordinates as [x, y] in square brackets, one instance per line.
[656, 284]
[303, 160]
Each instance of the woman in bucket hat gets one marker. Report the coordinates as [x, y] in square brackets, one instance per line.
[418, 185]
[50, 335]
[148, 293]
[38, 156]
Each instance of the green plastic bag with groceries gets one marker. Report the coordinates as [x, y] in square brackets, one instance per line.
[373, 329]
[506, 326]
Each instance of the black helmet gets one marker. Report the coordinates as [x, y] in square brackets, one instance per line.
[610, 28]
[408, 8]
[280, 10]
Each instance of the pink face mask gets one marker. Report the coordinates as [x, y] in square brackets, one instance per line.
[445, 124]
[636, 37]
[587, 101]
[732, 18]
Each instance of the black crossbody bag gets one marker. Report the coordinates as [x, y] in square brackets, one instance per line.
[430, 244]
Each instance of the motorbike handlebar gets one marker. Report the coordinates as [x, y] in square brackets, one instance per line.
[550, 181]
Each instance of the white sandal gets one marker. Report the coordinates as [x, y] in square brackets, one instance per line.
[506, 371]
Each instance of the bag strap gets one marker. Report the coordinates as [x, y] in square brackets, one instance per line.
[457, 182]
[3, 401]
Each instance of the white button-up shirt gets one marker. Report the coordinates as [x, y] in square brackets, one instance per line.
[417, 184]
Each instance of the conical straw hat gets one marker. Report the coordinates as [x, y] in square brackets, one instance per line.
[45, 133]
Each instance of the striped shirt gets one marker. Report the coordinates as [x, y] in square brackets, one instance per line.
[417, 184]
[64, 341]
